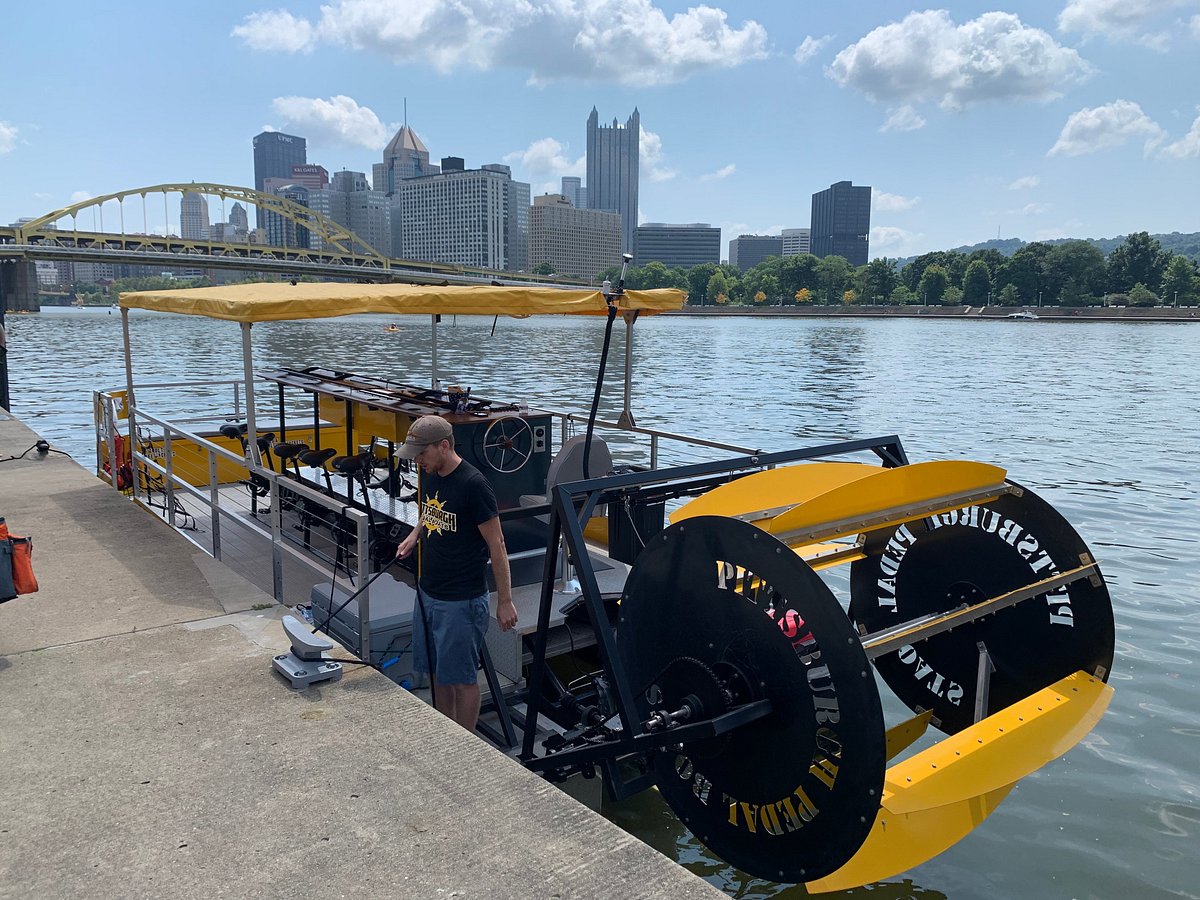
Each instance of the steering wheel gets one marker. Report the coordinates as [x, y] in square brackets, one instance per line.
[507, 444]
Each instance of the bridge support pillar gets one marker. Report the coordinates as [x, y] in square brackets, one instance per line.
[18, 285]
[18, 290]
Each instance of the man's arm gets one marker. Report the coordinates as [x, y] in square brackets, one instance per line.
[506, 612]
[405, 547]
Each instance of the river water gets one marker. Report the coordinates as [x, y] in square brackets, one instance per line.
[1100, 419]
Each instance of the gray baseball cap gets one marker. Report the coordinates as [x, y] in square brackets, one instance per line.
[423, 432]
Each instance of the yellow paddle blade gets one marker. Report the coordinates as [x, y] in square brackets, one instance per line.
[1001, 749]
[889, 497]
[765, 494]
[900, 737]
[899, 842]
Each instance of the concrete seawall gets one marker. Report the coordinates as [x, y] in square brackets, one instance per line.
[147, 749]
[1047, 314]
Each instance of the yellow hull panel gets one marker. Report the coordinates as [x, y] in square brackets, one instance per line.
[888, 489]
[773, 489]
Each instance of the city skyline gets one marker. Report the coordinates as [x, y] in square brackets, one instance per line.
[1018, 119]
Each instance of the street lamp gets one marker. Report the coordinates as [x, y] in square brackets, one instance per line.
[1039, 299]
[1177, 299]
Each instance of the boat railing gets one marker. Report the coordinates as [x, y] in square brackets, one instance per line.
[237, 520]
[661, 448]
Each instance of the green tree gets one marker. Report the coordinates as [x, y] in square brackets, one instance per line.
[933, 285]
[1009, 296]
[1140, 295]
[1074, 294]
[1140, 259]
[953, 263]
[953, 296]
[1026, 270]
[718, 286]
[879, 280]
[654, 275]
[1078, 261]
[833, 278]
[544, 268]
[1180, 283]
[798, 273]
[697, 281]
[902, 296]
[977, 283]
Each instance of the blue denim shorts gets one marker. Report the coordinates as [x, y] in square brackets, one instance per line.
[456, 629]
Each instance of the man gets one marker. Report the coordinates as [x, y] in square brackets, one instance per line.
[458, 529]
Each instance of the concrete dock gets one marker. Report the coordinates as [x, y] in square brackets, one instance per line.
[147, 750]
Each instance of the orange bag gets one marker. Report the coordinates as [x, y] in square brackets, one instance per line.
[22, 565]
[16, 555]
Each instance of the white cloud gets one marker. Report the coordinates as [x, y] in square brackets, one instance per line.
[338, 120]
[650, 159]
[544, 163]
[1103, 127]
[882, 201]
[8, 137]
[276, 30]
[810, 47]
[721, 173]
[1119, 19]
[1186, 147]
[80, 197]
[1024, 183]
[926, 56]
[903, 118]
[1194, 26]
[887, 240]
[1034, 209]
[630, 42]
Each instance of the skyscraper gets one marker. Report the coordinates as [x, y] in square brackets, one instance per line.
[612, 171]
[841, 222]
[238, 218]
[193, 217]
[405, 156]
[797, 241]
[574, 191]
[473, 217]
[578, 243]
[678, 246]
[274, 155]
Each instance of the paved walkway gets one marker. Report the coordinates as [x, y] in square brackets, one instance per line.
[147, 750]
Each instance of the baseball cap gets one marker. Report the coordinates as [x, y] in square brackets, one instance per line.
[423, 432]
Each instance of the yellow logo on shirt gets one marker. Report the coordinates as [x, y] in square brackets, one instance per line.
[435, 516]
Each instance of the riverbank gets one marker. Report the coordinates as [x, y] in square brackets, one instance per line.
[1051, 314]
[149, 750]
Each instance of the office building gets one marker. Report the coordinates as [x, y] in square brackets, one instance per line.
[274, 155]
[578, 243]
[797, 241]
[612, 171]
[238, 217]
[841, 222]
[747, 250]
[313, 177]
[282, 231]
[405, 156]
[193, 217]
[678, 246]
[574, 191]
[350, 201]
[471, 217]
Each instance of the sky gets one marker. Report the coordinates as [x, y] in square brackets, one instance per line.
[1009, 118]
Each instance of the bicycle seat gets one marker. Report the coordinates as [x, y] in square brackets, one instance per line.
[231, 431]
[317, 458]
[289, 449]
[264, 441]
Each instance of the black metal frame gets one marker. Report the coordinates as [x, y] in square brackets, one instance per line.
[571, 505]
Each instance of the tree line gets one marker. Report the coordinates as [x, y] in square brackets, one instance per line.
[1138, 272]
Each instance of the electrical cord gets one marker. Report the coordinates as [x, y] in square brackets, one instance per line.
[43, 447]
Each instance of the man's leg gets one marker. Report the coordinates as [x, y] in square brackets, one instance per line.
[445, 698]
[466, 704]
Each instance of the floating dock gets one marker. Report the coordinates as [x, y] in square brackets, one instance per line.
[148, 749]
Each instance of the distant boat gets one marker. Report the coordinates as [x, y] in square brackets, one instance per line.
[1023, 314]
[391, 328]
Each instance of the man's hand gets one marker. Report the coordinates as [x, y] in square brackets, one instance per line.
[506, 613]
[405, 547]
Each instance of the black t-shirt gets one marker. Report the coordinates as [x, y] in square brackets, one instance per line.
[454, 554]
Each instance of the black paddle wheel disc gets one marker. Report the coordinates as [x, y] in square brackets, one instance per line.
[969, 555]
[717, 613]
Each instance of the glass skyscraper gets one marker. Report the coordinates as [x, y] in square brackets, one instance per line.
[841, 222]
[612, 171]
[274, 155]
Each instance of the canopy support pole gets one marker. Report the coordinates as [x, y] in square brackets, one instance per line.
[626, 418]
[130, 416]
[433, 383]
[248, 374]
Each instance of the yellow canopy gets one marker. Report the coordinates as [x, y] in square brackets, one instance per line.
[270, 302]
